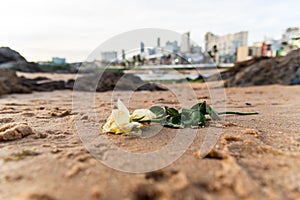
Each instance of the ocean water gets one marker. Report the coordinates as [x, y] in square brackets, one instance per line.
[165, 76]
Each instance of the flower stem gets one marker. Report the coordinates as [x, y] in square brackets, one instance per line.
[238, 113]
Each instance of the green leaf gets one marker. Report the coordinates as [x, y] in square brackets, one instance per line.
[172, 112]
[170, 125]
[202, 119]
[186, 111]
[212, 113]
[203, 108]
[200, 107]
[158, 111]
[196, 106]
[186, 118]
[198, 119]
[195, 118]
[172, 122]
[186, 114]
[175, 120]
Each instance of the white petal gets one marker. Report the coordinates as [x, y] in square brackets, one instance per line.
[120, 117]
[122, 107]
[119, 121]
[133, 128]
[145, 114]
[110, 125]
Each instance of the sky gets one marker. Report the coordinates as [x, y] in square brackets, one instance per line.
[42, 29]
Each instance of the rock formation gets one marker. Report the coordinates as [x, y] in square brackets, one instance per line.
[264, 71]
[110, 80]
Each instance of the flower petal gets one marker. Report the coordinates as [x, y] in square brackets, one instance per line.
[122, 107]
[143, 114]
[110, 126]
[120, 117]
[119, 121]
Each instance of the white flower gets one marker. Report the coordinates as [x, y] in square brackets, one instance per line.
[119, 122]
[142, 114]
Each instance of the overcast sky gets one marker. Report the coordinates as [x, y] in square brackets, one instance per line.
[40, 29]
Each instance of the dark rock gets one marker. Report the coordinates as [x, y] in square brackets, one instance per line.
[22, 66]
[113, 80]
[264, 71]
[11, 59]
[8, 55]
[106, 81]
[11, 83]
[70, 84]
[41, 78]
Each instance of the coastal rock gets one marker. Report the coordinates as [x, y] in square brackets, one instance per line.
[8, 55]
[107, 81]
[113, 80]
[11, 83]
[43, 84]
[11, 59]
[22, 66]
[265, 71]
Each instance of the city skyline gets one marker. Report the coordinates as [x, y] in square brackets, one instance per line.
[73, 29]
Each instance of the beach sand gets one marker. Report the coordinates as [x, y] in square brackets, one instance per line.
[256, 157]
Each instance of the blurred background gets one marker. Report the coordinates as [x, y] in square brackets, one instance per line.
[40, 30]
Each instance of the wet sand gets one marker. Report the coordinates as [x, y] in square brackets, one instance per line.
[256, 157]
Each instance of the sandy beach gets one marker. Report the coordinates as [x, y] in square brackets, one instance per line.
[150, 100]
[256, 157]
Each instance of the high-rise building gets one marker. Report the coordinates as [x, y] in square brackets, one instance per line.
[123, 54]
[291, 34]
[158, 42]
[225, 47]
[291, 37]
[185, 46]
[195, 49]
[172, 47]
[256, 49]
[109, 56]
[151, 51]
[142, 47]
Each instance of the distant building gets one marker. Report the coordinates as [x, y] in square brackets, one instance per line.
[142, 47]
[109, 56]
[172, 47]
[185, 46]
[291, 34]
[123, 55]
[158, 42]
[58, 61]
[242, 53]
[151, 51]
[268, 48]
[196, 49]
[256, 49]
[271, 48]
[225, 47]
[291, 38]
